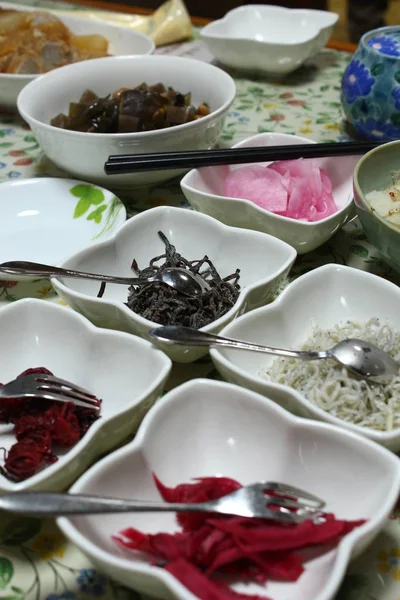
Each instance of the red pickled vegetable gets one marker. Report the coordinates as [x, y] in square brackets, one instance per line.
[213, 546]
[38, 426]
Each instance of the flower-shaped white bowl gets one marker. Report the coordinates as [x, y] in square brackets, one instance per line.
[208, 428]
[84, 154]
[127, 373]
[122, 42]
[324, 297]
[47, 219]
[204, 190]
[268, 39]
[262, 260]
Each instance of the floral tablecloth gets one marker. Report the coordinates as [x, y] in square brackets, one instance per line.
[36, 561]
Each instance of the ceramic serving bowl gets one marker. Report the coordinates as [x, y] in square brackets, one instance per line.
[46, 220]
[262, 259]
[208, 428]
[122, 42]
[373, 172]
[204, 187]
[268, 39]
[324, 297]
[84, 154]
[371, 85]
[127, 373]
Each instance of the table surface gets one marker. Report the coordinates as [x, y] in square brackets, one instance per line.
[36, 561]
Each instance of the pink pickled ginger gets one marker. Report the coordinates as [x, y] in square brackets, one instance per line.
[298, 189]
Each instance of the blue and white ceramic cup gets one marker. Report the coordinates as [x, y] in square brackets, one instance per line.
[371, 85]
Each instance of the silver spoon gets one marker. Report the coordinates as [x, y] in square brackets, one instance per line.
[182, 280]
[362, 359]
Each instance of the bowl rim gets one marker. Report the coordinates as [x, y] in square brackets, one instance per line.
[76, 18]
[134, 222]
[343, 549]
[318, 275]
[251, 205]
[208, 31]
[34, 85]
[91, 331]
[373, 33]
[361, 194]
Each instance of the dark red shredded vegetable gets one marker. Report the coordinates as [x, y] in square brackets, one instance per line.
[39, 425]
[210, 547]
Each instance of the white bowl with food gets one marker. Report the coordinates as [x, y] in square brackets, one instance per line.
[263, 260]
[128, 374]
[209, 190]
[205, 429]
[149, 120]
[316, 311]
[34, 41]
[47, 219]
[272, 40]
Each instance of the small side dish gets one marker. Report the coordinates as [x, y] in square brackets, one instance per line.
[213, 546]
[37, 42]
[386, 202]
[129, 110]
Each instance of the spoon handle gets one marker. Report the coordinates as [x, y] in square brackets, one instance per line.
[195, 337]
[30, 268]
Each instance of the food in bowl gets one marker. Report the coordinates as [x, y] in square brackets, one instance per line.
[329, 386]
[163, 304]
[41, 426]
[129, 110]
[213, 546]
[386, 202]
[37, 42]
[298, 189]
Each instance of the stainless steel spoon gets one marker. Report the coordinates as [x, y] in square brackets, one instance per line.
[182, 280]
[362, 359]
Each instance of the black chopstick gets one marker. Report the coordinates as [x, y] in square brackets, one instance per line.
[131, 163]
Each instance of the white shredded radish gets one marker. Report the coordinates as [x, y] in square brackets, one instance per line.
[330, 387]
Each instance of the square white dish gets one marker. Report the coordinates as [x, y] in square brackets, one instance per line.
[127, 373]
[324, 297]
[208, 428]
[263, 260]
[268, 39]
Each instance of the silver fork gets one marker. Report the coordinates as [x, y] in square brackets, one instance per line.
[48, 387]
[291, 505]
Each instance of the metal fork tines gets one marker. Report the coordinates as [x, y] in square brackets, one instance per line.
[48, 387]
[290, 505]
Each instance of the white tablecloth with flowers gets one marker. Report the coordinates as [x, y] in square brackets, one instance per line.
[36, 561]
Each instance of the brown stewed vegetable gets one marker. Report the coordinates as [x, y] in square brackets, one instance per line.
[143, 108]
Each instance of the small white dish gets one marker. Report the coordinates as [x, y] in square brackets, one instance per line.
[84, 154]
[47, 219]
[204, 188]
[127, 373]
[324, 297]
[122, 42]
[207, 428]
[262, 259]
[268, 39]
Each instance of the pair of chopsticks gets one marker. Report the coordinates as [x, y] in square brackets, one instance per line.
[135, 163]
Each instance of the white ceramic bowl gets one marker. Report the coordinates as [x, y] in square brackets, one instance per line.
[204, 187]
[268, 39]
[122, 42]
[84, 154]
[262, 259]
[47, 219]
[324, 297]
[127, 373]
[208, 428]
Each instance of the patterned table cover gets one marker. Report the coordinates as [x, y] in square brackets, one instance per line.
[36, 561]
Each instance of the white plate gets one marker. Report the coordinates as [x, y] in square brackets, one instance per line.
[47, 220]
[122, 42]
[206, 428]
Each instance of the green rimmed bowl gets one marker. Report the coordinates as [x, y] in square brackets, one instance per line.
[373, 172]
